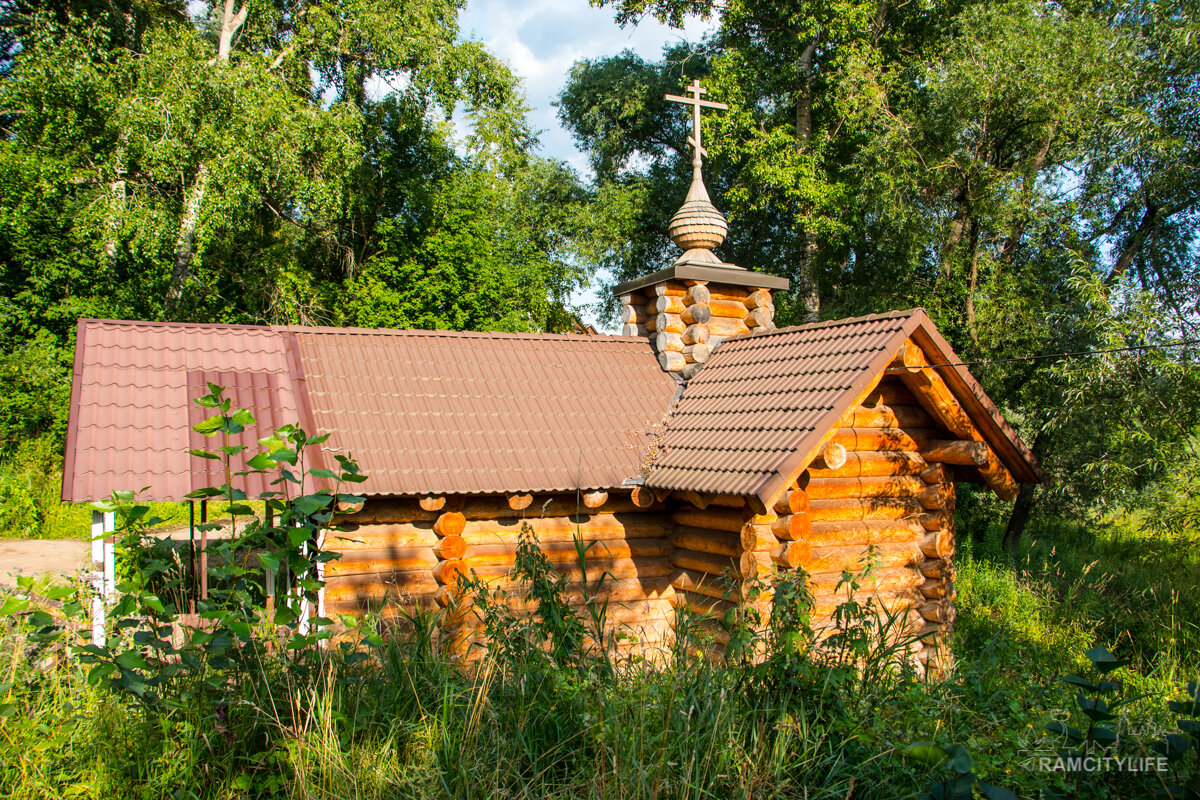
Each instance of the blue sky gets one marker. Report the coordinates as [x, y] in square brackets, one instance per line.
[541, 39]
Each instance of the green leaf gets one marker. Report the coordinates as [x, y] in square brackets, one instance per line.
[260, 461]
[131, 659]
[925, 752]
[13, 605]
[1082, 683]
[1103, 736]
[995, 792]
[298, 536]
[1104, 661]
[1064, 729]
[204, 454]
[210, 426]
[319, 472]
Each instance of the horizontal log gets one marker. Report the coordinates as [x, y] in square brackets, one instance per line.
[723, 291]
[885, 579]
[702, 540]
[832, 456]
[450, 547]
[936, 473]
[792, 501]
[792, 527]
[697, 295]
[626, 525]
[937, 588]
[763, 317]
[936, 520]
[728, 309]
[487, 555]
[616, 569]
[759, 298]
[600, 590]
[844, 488]
[387, 560]
[670, 289]
[667, 304]
[936, 568]
[864, 508]
[671, 361]
[895, 603]
[721, 587]
[668, 323]
[938, 544]
[757, 538]
[449, 571]
[377, 585]
[727, 326]
[379, 537]
[386, 608]
[714, 518]
[710, 564]
[870, 464]
[937, 611]
[715, 608]
[696, 353]
[450, 523]
[630, 329]
[695, 334]
[642, 497]
[792, 554]
[696, 315]
[432, 502]
[633, 314]
[887, 416]
[668, 342]
[956, 451]
[854, 558]
[595, 499]
[908, 359]
[911, 439]
[865, 532]
[636, 613]
[890, 392]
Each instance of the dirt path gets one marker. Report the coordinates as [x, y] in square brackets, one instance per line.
[64, 556]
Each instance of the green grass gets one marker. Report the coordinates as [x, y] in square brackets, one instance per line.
[408, 723]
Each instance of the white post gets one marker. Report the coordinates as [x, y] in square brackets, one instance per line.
[110, 556]
[98, 577]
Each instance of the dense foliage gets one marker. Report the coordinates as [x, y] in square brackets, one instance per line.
[1025, 170]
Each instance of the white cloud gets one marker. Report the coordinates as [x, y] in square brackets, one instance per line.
[541, 39]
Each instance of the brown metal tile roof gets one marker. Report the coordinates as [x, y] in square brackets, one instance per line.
[437, 412]
[422, 411]
[764, 402]
[440, 412]
[131, 403]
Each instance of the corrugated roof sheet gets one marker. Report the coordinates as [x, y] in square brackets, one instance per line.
[437, 412]
[766, 400]
[131, 403]
[422, 411]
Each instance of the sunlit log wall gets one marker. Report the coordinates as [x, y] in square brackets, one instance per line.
[879, 481]
[408, 553]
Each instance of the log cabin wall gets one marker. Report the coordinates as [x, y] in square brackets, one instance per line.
[403, 556]
[889, 493]
[684, 321]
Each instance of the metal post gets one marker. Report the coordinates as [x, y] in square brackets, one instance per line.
[192, 556]
[203, 550]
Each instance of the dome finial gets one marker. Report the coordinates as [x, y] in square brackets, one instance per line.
[697, 227]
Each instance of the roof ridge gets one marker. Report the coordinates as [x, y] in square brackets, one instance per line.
[359, 331]
[834, 323]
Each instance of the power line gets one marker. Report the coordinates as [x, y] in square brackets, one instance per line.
[1076, 354]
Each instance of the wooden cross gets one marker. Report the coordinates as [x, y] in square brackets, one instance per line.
[696, 103]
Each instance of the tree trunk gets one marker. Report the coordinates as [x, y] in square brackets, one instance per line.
[1130, 251]
[807, 290]
[973, 281]
[1031, 176]
[1025, 501]
[116, 193]
[185, 241]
